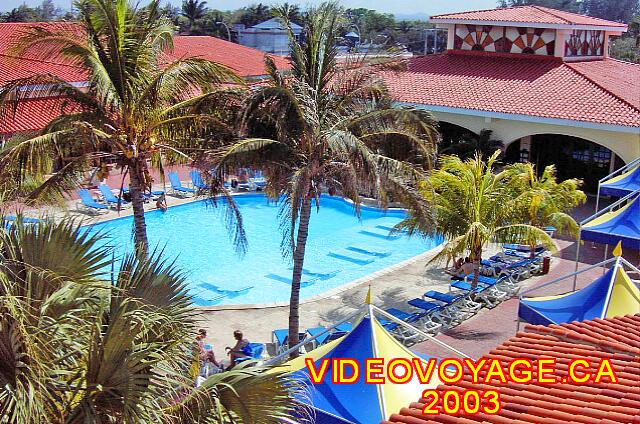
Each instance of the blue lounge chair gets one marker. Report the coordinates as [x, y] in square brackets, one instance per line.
[89, 204]
[339, 331]
[253, 352]
[462, 302]
[258, 181]
[483, 293]
[177, 187]
[196, 180]
[419, 320]
[280, 340]
[110, 198]
[438, 311]
[24, 219]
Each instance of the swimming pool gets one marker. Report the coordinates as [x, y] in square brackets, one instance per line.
[340, 249]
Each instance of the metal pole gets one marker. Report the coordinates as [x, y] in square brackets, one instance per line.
[598, 197]
[227, 28]
[606, 250]
[575, 276]
[422, 333]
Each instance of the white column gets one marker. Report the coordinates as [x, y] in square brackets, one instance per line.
[561, 37]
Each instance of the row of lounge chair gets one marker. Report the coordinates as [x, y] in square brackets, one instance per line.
[279, 338]
[437, 310]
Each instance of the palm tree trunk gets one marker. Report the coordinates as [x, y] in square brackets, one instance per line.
[137, 201]
[298, 261]
[476, 257]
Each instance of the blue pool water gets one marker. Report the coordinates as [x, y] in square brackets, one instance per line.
[340, 249]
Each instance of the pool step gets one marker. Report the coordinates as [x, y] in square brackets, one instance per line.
[287, 280]
[351, 256]
[207, 297]
[226, 292]
[390, 228]
[379, 232]
[320, 275]
[365, 250]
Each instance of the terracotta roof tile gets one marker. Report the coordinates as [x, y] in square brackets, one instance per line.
[247, 62]
[532, 86]
[529, 15]
[558, 403]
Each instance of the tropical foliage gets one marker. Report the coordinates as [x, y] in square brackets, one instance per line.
[543, 200]
[328, 126]
[476, 205]
[136, 108]
[471, 144]
[79, 345]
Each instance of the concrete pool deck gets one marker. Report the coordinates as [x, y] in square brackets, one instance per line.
[391, 287]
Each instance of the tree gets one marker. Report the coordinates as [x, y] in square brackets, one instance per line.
[194, 11]
[22, 13]
[78, 347]
[473, 144]
[474, 206]
[326, 127]
[136, 108]
[543, 201]
[252, 15]
[619, 10]
[566, 5]
[47, 11]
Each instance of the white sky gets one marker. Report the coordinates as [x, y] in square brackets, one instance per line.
[404, 7]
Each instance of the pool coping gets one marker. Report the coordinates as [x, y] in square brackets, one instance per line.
[329, 293]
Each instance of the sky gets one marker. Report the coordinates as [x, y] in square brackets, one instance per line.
[402, 7]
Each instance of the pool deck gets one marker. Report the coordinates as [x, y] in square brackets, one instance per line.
[391, 287]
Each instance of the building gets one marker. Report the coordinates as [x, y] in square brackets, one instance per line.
[34, 114]
[269, 36]
[616, 339]
[540, 79]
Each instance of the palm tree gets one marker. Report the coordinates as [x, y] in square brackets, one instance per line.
[194, 11]
[471, 143]
[544, 201]
[78, 345]
[137, 107]
[327, 127]
[474, 206]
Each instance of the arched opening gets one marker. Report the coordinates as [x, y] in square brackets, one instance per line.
[574, 157]
[452, 133]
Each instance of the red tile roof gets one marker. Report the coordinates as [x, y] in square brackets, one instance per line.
[12, 68]
[604, 92]
[529, 15]
[32, 114]
[247, 62]
[559, 403]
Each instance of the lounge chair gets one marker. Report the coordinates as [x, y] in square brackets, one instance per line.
[24, 219]
[88, 203]
[258, 181]
[176, 186]
[485, 294]
[196, 180]
[449, 317]
[253, 351]
[110, 198]
[280, 341]
[420, 320]
[462, 302]
[335, 333]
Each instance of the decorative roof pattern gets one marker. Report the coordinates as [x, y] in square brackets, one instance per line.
[528, 15]
[559, 403]
[596, 92]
